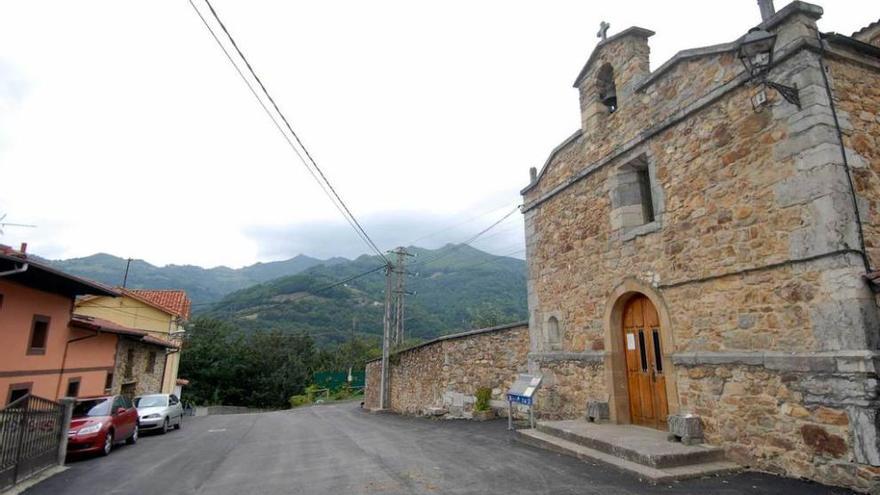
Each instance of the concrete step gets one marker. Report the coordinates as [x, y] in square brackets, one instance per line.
[638, 444]
[553, 443]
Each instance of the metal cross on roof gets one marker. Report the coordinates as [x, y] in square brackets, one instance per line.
[603, 30]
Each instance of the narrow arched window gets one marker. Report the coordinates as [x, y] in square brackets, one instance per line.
[554, 337]
[606, 87]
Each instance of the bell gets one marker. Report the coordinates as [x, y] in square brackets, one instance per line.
[609, 99]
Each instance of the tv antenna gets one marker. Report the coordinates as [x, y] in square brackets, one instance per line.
[3, 224]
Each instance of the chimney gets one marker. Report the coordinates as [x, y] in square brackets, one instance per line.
[767, 9]
[533, 175]
[23, 249]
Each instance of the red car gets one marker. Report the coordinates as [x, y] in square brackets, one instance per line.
[98, 423]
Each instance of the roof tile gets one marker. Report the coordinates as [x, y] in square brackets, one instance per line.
[175, 301]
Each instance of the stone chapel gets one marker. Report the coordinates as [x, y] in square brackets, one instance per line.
[708, 242]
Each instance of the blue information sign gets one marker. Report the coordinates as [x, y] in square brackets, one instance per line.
[519, 399]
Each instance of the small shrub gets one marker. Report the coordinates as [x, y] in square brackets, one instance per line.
[341, 394]
[312, 391]
[484, 394]
[299, 400]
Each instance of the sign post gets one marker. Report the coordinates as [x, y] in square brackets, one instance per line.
[522, 392]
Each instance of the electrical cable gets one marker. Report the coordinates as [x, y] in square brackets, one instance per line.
[326, 186]
[465, 243]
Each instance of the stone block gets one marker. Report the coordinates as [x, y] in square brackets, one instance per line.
[685, 428]
[598, 411]
[842, 324]
[865, 424]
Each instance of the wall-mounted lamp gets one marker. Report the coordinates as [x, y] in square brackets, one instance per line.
[756, 54]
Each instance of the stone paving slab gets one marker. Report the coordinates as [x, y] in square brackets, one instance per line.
[652, 474]
[639, 444]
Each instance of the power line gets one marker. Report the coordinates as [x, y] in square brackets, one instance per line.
[325, 184]
[449, 227]
[469, 241]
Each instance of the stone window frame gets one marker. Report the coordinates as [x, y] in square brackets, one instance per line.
[624, 187]
[546, 344]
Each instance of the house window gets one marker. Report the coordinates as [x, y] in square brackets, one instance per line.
[39, 335]
[108, 382]
[606, 88]
[554, 336]
[129, 364]
[151, 362]
[17, 391]
[634, 196]
[73, 387]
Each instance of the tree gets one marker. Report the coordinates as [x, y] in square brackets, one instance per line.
[486, 315]
[262, 369]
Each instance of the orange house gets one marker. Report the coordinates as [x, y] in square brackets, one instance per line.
[40, 352]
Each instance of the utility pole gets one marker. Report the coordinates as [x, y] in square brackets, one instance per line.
[386, 340]
[351, 348]
[400, 294]
[393, 331]
[125, 277]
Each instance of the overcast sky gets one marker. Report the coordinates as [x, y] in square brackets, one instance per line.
[123, 128]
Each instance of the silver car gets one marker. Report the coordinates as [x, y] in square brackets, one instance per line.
[159, 411]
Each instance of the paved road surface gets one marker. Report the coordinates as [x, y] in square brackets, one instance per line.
[339, 449]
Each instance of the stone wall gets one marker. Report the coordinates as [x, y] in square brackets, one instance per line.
[446, 373]
[770, 332]
[140, 379]
[786, 422]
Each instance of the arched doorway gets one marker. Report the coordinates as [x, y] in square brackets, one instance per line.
[645, 367]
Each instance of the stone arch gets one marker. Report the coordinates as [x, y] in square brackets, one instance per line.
[615, 364]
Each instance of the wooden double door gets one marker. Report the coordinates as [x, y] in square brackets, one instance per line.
[645, 370]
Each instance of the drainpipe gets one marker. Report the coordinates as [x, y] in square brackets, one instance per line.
[852, 187]
[64, 358]
[23, 268]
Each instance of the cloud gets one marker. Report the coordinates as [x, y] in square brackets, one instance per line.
[388, 230]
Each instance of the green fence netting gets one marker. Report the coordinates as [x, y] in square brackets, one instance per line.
[335, 380]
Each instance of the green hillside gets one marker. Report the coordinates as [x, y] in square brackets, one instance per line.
[202, 284]
[455, 287]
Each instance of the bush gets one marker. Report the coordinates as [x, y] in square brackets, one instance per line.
[484, 394]
[299, 400]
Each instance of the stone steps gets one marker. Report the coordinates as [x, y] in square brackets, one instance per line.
[643, 452]
[633, 443]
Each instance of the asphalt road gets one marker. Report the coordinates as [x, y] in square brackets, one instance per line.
[339, 449]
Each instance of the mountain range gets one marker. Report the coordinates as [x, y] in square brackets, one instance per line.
[203, 285]
[452, 288]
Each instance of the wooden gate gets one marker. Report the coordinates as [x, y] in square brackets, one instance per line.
[644, 363]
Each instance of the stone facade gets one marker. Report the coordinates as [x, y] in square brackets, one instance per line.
[739, 224]
[444, 374]
[133, 374]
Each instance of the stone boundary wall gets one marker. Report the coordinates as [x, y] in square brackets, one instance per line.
[441, 376]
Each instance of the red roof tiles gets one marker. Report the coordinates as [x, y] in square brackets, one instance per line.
[175, 302]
